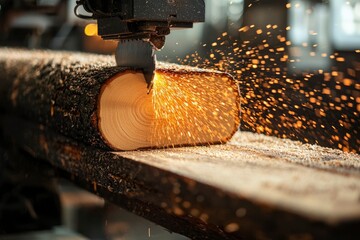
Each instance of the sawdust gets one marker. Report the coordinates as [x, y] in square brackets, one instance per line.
[314, 181]
[296, 152]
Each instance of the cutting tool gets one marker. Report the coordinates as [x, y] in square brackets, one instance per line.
[140, 26]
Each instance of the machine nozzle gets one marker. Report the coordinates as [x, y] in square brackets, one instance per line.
[137, 54]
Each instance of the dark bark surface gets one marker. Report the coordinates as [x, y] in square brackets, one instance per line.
[57, 89]
[198, 208]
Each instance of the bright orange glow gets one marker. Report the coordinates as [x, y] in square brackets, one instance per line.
[259, 63]
[91, 30]
[199, 107]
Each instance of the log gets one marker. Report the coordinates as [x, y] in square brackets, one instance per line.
[85, 97]
[254, 187]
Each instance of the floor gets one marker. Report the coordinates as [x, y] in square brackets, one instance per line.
[87, 216]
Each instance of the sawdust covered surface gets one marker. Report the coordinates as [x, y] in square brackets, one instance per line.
[13, 55]
[307, 179]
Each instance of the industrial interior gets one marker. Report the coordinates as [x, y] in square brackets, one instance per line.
[179, 119]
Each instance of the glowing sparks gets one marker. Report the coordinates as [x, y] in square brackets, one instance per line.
[202, 108]
[319, 106]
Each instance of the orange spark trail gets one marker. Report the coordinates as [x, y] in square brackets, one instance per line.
[317, 106]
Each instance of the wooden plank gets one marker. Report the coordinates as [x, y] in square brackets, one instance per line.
[253, 187]
[272, 171]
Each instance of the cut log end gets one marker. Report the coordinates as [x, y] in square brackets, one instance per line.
[183, 108]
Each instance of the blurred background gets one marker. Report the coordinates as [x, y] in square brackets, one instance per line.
[297, 63]
[51, 24]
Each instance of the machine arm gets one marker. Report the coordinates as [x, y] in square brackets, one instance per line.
[141, 26]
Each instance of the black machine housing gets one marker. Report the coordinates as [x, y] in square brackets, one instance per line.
[142, 19]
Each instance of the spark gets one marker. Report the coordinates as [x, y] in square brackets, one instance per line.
[193, 106]
[319, 106]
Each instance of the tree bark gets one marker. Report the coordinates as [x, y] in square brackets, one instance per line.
[85, 97]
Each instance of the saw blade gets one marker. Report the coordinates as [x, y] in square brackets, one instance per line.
[137, 54]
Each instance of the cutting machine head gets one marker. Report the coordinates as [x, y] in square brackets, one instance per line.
[141, 26]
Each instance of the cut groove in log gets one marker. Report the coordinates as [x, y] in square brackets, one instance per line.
[84, 97]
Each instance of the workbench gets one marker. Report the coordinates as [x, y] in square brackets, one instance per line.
[254, 187]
